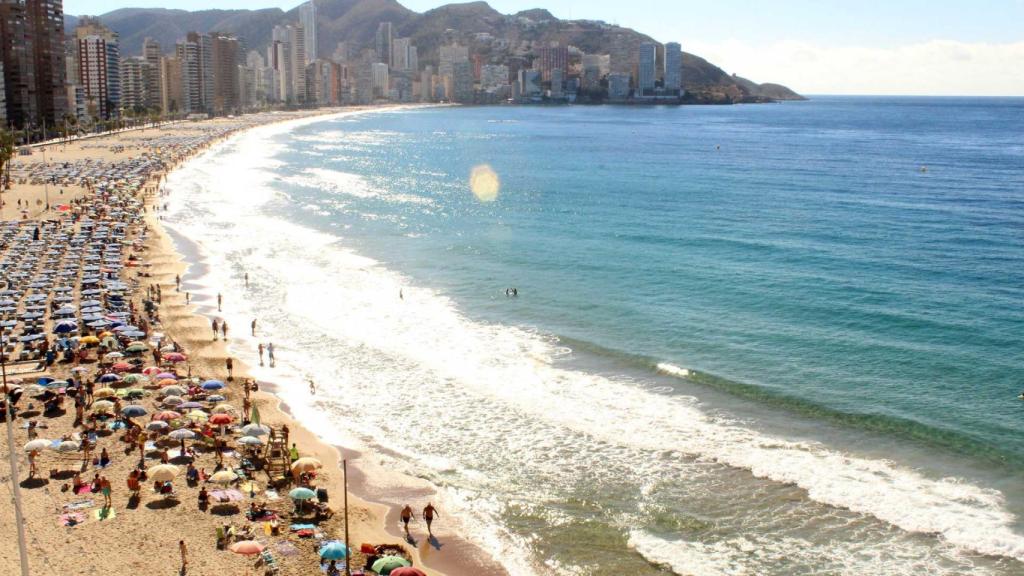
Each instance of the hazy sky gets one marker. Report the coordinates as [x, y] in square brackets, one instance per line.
[814, 46]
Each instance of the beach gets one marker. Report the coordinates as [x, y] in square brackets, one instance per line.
[70, 533]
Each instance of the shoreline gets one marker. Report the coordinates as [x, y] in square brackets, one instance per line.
[377, 521]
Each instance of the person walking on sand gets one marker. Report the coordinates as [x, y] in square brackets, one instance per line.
[260, 349]
[246, 279]
[188, 297]
[253, 326]
[230, 366]
[32, 471]
[105, 488]
[219, 300]
[406, 517]
[184, 555]
[177, 283]
[312, 387]
[270, 353]
[428, 516]
[216, 328]
[224, 329]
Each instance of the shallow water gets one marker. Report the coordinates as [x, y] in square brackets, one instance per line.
[748, 340]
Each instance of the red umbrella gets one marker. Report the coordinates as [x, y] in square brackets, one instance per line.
[250, 547]
[174, 357]
[122, 367]
[221, 419]
[407, 571]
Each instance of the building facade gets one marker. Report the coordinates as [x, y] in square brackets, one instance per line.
[673, 69]
[646, 71]
[307, 19]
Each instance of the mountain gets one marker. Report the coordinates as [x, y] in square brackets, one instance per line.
[494, 36]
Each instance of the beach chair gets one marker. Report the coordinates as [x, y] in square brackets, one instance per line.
[268, 561]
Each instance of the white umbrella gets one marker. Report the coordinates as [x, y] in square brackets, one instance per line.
[37, 444]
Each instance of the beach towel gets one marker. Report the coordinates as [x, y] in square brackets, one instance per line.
[84, 489]
[104, 514]
[78, 504]
[295, 527]
[272, 495]
[72, 519]
[286, 549]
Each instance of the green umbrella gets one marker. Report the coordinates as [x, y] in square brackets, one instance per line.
[302, 494]
[137, 348]
[385, 565]
[255, 418]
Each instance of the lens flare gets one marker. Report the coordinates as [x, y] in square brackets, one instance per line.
[484, 183]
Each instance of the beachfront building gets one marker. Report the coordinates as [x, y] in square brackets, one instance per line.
[99, 68]
[551, 58]
[618, 87]
[379, 79]
[427, 84]
[404, 55]
[3, 97]
[307, 19]
[325, 82]
[287, 55]
[529, 83]
[385, 36]
[172, 98]
[673, 69]
[32, 52]
[646, 71]
[133, 85]
[187, 54]
[152, 53]
[224, 57]
[557, 85]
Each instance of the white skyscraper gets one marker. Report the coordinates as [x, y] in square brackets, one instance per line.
[307, 18]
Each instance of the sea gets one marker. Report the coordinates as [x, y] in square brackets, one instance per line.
[743, 340]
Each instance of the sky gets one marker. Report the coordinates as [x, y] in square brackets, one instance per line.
[927, 47]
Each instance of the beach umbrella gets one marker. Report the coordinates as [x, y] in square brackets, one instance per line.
[121, 367]
[306, 464]
[221, 419]
[164, 472]
[247, 547]
[136, 379]
[216, 398]
[224, 477]
[175, 357]
[173, 401]
[223, 409]
[255, 430]
[68, 446]
[131, 393]
[167, 382]
[167, 416]
[151, 371]
[198, 416]
[333, 550]
[408, 571]
[212, 385]
[137, 348]
[250, 441]
[102, 406]
[134, 411]
[302, 494]
[188, 405]
[385, 565]
[182, 434]
[172, 390]
[157, 425]
[37, 444]
[106, 378]
[166, 376]
[57, 384]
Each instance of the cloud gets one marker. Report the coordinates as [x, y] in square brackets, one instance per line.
[937, 67]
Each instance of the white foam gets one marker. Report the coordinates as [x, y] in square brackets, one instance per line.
[673, 370]
[336, 314]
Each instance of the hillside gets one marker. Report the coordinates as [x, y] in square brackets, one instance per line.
[496, 37]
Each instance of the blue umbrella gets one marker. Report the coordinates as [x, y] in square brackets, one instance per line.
[134, 411]
[133, 333]
[333, 550]
[213, 385]
[65, 327]
[109, 378]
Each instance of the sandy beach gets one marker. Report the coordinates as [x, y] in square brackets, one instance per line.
[72, 531]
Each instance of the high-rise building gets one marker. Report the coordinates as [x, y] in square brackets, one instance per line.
[19, 68]
[557, 88]
[551, 58]
[133, 84]
[204, 70]
[647, 69]
[172, 100]
[385, 36]
[427, 84]
[673, 69]
[297, 41]
[379, 72]
[307, 19]
[152, 53]
[46, 24]
[225, 55]
[529, 83]
[187, 53]
[454, 53]
[99, 68]
[400, 53]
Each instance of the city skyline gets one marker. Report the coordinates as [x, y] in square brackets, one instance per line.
[913, 47]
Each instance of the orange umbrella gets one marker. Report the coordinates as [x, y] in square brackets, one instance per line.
[167, 416]
[221, 419]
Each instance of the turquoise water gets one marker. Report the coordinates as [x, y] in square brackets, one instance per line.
[750, 339]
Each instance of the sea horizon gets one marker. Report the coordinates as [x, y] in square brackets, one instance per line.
[818, 286]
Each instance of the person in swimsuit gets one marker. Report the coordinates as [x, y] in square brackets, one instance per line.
[406, 517]
[428, 515]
